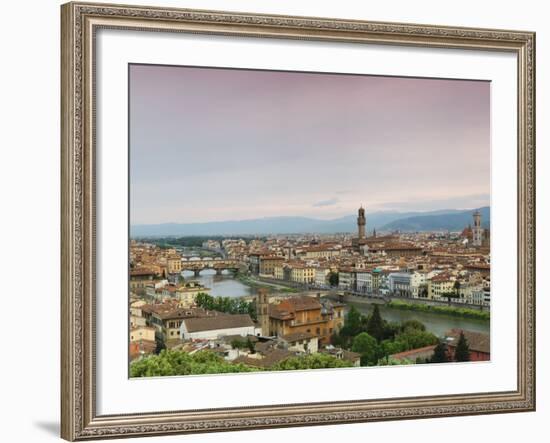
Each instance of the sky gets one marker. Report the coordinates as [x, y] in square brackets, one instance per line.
[227, 144]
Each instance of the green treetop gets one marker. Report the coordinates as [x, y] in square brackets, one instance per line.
[462, 351]
[440, 354]
[375, 324]
[333, 279]
[367, 346]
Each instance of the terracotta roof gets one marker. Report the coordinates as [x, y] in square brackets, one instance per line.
[440, 278]
[342, 354]
[318, 248]
[230, 338]
[281, 314]
[297, 336]
[287, 307]
[146, 346]
[263, 347]
[426, 351]
[169, 310]
[139, 272]
[397, 247]
[218, 322]
[270, 359]
[477, 341]
[478, 266]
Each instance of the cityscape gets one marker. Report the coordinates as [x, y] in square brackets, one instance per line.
[302, 221]
[313, 301]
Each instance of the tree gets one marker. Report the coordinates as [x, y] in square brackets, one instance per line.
[440, 354]
[159, 345]
[311, 361]
[170, 362]
[367, 346]
[352, 323]
[391, 329]
[412, 324]
[456, 287]
[390, 347]
[462, 351]
[448, 296]
[375, 324]
[226, 304]
[337, 339]
[333, 279]
[414, 339]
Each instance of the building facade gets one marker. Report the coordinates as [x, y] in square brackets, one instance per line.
[268, 263]
[212, 328]
[308, 315]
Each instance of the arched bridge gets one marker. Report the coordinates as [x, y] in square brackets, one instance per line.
[218, 265]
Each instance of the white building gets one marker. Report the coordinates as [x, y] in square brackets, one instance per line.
[419, 283]
[321, 275]
[364, 282]
[482, 296]
[151, 288]
[400, 284]
[301, 342]
[346, 280]
[212, 328]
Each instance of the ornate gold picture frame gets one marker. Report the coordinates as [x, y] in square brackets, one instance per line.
[80, 22]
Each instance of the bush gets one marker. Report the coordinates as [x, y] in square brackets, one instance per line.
[367, 346]
[311, 361]
[447, 310]
[182, 363]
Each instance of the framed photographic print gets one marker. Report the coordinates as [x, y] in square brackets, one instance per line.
[337, 213]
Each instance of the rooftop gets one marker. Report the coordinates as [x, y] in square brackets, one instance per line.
[224, 321]
[297, 336]
[426, 351]
[477, 341]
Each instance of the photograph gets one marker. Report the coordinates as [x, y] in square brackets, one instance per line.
[288, 220]
[339, 212]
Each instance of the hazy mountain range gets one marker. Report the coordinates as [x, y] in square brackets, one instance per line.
[441, 220]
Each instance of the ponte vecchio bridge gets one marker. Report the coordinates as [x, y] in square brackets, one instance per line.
[208, 263]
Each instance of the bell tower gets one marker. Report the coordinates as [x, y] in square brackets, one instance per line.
[262, 311]
[361, 223]
[477, 231]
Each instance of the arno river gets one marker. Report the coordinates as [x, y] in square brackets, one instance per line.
[226, 286]
[221, 285]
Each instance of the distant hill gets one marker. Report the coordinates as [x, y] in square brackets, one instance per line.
[450, 219]
[454, 221]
